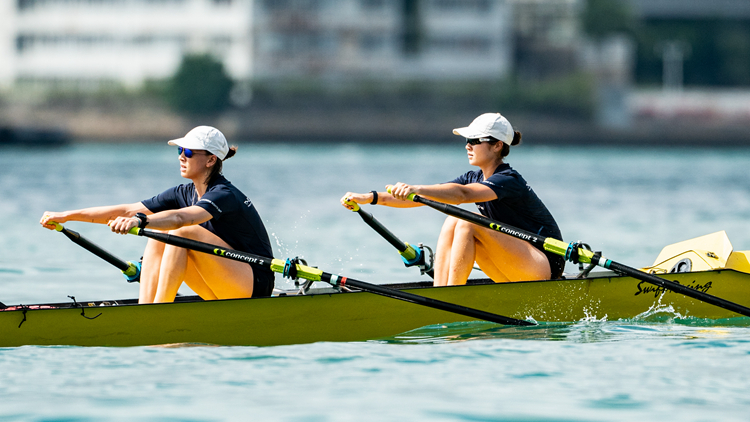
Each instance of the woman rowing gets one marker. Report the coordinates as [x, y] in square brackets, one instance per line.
[210, 209]
[501, 194]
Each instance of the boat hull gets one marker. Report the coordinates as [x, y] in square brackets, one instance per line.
[357, 316]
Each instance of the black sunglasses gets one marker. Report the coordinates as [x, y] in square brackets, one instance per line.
[188, 152]
[477, 141]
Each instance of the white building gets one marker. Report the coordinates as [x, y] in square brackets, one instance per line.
[434, 39]
[124, 42]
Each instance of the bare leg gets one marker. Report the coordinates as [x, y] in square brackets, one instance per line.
[196, 283]
[502, 257]
[505, 258]
[463, 253]
[224, 278]
[172, 273]
[150, 271]
[442, 257]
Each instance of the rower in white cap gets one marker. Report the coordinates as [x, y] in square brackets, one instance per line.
[501, 194]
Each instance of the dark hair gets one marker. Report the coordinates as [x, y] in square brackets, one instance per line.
[506, 148]
[216, 169]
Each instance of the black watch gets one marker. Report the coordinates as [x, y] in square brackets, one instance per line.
[142, 220]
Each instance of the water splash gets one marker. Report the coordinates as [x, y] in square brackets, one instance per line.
[590, 316]
[659, 312]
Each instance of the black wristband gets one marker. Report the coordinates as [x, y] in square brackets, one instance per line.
[374, 198]
[142, 220]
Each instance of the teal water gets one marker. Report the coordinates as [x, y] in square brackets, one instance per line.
[627, 202]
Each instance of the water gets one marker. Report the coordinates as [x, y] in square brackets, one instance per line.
[627, 202]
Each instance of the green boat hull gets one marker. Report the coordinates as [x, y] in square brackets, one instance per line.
[357, 316]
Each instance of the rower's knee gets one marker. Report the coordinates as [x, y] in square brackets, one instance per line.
[464, 228]
[449, 225]
[154, 247]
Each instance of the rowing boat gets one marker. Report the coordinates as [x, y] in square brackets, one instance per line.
[707, 264]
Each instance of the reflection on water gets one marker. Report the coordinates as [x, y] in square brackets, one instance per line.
[577, 332]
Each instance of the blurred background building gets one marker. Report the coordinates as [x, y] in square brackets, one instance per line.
[90, 43]
[571, 70]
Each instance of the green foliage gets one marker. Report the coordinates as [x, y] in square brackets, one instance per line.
[572, 95]
[717, 53]
[106, 98]
[605, 17]
[733, 43]
[200, 86]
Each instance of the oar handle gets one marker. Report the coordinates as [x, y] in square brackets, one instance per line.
[411, 196]
[355, 206]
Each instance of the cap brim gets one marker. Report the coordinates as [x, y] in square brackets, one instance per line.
[196, 145]
[468, 132]
[186, 143]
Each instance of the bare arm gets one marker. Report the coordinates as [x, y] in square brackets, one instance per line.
[384, 198]
[99, 215]
[450, 193]
[165, 220]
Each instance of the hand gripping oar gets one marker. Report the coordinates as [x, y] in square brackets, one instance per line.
[314, 274]
[131, 271]
[572, 252]
[409, 254]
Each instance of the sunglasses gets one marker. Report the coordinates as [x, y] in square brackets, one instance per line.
[188, 152]
[477, 141]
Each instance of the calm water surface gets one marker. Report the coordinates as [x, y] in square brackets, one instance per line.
[628, 203]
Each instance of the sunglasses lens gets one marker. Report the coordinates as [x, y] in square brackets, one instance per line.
[188, 153]
[473, 142]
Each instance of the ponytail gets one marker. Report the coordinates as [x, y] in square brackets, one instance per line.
[516, 138]
[506, 148]
[216, 169]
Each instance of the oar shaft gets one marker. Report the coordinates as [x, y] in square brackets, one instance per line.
[96, 250]
[314, 274]
[561, 248]
[382, 230]
[434, 303]
[481, 220]
[208, 248]
[679, 288]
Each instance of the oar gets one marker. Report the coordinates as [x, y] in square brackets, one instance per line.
[131, 271]
[410, 255]
[314, 274]
[572, 251]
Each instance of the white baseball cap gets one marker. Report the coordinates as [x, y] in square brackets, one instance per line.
[204, 138]
[488, 124]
